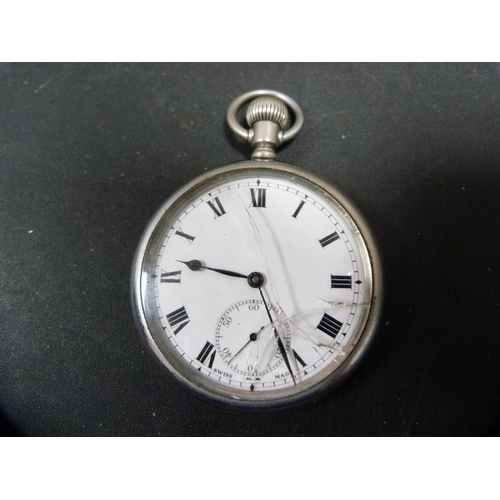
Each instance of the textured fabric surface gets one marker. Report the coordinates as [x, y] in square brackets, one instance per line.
[88, 152]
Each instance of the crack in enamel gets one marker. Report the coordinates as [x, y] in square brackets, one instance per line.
[305, 335]
[260, 244]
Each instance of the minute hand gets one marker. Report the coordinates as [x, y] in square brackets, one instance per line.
[281, 347]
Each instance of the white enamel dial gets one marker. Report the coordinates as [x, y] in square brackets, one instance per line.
[273, 342]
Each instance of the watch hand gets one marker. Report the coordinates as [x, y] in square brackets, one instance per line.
[253, 338]
[196, 265]
[281, 347]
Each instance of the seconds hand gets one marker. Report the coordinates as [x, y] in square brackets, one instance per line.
[253, 338]
[257, 284]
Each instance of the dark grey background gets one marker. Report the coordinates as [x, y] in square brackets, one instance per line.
[88, 152]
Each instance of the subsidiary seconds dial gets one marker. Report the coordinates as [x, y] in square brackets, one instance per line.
[252, 353]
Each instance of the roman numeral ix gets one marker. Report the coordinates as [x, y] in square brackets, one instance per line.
[170, 277]
[178, 317]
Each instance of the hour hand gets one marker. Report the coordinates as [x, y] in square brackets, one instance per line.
[196, 265]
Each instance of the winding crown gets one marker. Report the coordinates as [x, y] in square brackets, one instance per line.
[267, 108]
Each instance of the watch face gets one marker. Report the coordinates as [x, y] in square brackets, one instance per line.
[257, 286]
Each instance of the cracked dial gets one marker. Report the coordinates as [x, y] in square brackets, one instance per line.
[285, 338]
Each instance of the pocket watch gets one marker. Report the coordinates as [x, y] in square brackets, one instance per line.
[258, 285]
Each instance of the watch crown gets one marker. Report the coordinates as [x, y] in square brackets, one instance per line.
[267, 108]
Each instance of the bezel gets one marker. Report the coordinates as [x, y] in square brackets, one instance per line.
[169, 359]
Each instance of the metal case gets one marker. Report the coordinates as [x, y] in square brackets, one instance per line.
[152, 332]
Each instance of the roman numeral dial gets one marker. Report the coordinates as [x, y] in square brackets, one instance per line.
[305, 309]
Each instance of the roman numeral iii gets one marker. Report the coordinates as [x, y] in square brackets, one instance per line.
[178, 317]
[338, 281]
